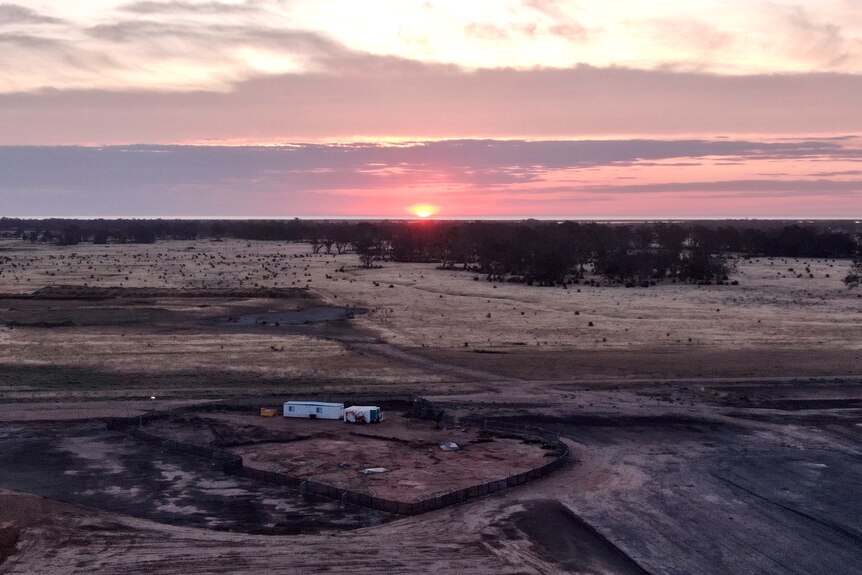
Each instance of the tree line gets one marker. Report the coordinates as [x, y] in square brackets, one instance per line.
[533, 252]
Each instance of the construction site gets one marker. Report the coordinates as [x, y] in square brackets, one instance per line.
[407, 464]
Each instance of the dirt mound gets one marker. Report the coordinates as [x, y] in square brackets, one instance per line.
[18, 512]
[27, 510]
[9, 535]
[563, 537]
[67, 292]
[213, 432]
[232, 436]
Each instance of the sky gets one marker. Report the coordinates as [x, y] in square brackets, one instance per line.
[470, 108]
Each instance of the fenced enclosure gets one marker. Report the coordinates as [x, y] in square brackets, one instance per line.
[232, 464]
[229, 461]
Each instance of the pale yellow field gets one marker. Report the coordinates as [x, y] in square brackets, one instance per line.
[431, 307]
[419, 307]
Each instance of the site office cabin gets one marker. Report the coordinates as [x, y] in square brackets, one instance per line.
[313, 409]
[325, 410]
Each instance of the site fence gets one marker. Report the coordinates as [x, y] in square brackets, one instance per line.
[233, 464]
[230, 462]
[424, 409]
[526, 431]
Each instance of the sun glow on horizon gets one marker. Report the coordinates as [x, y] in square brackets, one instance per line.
[423, 210]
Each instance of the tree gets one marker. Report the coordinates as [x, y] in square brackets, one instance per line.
[854, 275]
[100, 237]
[551, 257]
[185, 230]
[700, 265]
[341, 235]
[369, 250]
[218, 230]
[70, 236]
[142, 233]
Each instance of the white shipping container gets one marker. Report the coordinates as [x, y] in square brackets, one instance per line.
[313, 409]
[363, 414]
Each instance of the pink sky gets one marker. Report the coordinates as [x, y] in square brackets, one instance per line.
[511, 108]
[645, 178]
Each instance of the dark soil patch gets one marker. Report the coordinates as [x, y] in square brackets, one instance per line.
[297, 317]
[564, 538]
[85, 465]
[73, 292]
[325, 322]
[802, 404]
[153, 308]
[60, 323]
[215, 433]
[9, 535]
[574, 421]
[654, 362]
[71, 379]
[81, 313]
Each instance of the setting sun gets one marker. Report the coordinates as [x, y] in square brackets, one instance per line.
[423, 210]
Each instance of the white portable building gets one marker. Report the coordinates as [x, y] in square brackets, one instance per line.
[313, 409]
[363, 414]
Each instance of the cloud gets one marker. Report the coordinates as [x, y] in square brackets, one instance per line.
[15, 14]
[822, 42]
[733, 188]
[837, 174]
[303, 179]
[187, 38]
[181, 7]
[213, 45]
[571, 31]
[486, 31]
[359, 96]
[29, 41]
[166, 45]
[21, 52]
[695, 41]
[553, 9]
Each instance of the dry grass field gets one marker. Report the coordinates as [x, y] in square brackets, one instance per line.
[714, 429]
[774, 324]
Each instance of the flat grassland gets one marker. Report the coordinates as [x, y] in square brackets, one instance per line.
[438, 326]
[714, 429]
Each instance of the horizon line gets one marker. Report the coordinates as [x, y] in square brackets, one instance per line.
[605, 219]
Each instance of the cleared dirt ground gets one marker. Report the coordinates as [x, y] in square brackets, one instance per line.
[336, 453]
[86, 465]
[714, 429]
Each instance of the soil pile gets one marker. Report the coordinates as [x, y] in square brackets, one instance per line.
[566, 539]
[9, 535]
[202, 430]
[18, 512]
